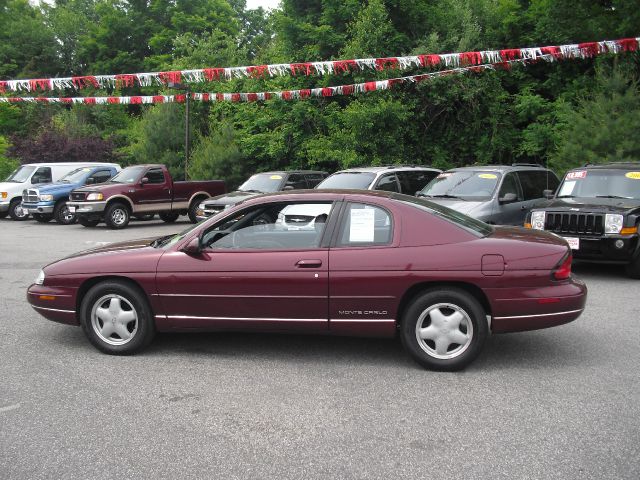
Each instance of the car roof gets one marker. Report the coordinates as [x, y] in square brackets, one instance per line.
[389, 168]
[285, 172]
[68, 164]
[501, 168]
[617, 165]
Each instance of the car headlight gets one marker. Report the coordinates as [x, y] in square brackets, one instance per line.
[612, 223]
[3, 194]
[40, 278]
[95, 196]
[46, 198]
[537, 220]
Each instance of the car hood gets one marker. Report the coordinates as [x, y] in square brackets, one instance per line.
[599, 205]
[55, 187]
[121, 257]
[462, 206]
[230, 198]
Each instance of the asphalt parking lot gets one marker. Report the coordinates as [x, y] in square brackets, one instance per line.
[560, 403]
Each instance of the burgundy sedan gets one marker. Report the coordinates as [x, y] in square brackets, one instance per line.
[326, 262]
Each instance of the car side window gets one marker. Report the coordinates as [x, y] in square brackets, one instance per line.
[543, 180]
[100, 176]
[509, 185]
[530, 185]
[42, 175]
[411, 182]
[155, 175]
[388, 183]
[281, 226]
[313, 179]
[365, 225]
[296, 181]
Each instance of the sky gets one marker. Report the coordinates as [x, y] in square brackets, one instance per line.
[251, 4]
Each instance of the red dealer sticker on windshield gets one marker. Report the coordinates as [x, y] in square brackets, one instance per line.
[576, 175]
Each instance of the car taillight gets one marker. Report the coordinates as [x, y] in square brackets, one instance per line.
[563, 269]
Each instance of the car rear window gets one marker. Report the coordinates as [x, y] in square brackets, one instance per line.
[357, 180]
[471, 225]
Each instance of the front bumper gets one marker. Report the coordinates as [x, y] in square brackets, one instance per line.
[4, 206]
[88, 207]
[604, 248]
[54, 303]
[38, 207]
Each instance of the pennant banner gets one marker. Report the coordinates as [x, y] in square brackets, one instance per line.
[282, 95]
[447, 60]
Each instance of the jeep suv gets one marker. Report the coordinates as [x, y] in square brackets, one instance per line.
[495, 194]
[597, 210]
[394, 178]
[267, 182]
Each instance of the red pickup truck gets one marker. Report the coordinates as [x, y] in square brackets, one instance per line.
[141, 190]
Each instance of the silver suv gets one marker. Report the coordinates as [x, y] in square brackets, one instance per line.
[394, 178]
[495, 194]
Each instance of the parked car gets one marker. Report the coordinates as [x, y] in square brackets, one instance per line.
[495, 194]
[597, 210]
[25, 177]
[266, 182]
[393, 178]
[382, 263]
[50, 201]
[140, 190]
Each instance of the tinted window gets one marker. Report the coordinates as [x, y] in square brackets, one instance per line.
[357, 180]
[534, 183]
[509, 185]
[100, 176]
[314, 179]
[42, 175]
[388, 183]
[365, 225]
[414, 181]
[466, 184]
[262, 182]
[282, 226]
[155, 175]
[296, 181]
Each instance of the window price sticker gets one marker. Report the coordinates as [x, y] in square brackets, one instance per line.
[362, 225]
[577, 175]
[633, 175]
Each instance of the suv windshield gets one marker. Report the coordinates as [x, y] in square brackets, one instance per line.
[607, 183]
[76, 175]
[357, 180]
[464, 184]
[128, 175]
[472, 225]
[21, 174]
[262, 182]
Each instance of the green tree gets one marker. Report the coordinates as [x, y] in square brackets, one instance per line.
[218, 156]
[7, 165]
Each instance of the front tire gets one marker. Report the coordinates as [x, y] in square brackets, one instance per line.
[116, 318]
[117, 216]
[444, 329]
[62, 214]
[193, 207]
[16, 211]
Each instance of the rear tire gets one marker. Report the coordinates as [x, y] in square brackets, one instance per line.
[15, 210]
[444, 329]
[116, 318]
[87, 222]
[41, 217]
[169, 217]
[193, 207]
[117, 216]
[62, 214]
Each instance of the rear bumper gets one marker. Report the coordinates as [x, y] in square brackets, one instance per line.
[54, 303]
[522, 309]
[88, 207]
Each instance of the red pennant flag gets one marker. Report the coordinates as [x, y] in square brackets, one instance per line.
[158, 99]
[304, 68]
[510, 54]
[555, 51]
[429, 60]
[344, 66]
[180, 98]
[113, 100]
[212, 74]
[628, 44]
[125, 80]
[89, 101]
[327, 92]
[86, 81]
[220, 97]
[135, 100]
[305, 93]
[235, 97]
[470, 58]
[257, 71]
[66, 100]
[286, 95]
[3, 86]
[252, 97]
[348, 89]
[174, 77]
[370, 87]
[205, 97]
[589, 49]
[382, 63]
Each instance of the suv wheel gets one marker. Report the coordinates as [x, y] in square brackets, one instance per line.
[117, 216]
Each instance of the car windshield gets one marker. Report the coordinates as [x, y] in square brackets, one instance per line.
[472, 225]
[607, 183]
[357, 180]
[128, 175]
[21, 174]
[463, 184]
[76, 176]
[262, 182]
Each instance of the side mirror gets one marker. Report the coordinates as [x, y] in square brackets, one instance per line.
[193, 247]
[508, 198]
[548, 194]
[288, 187]
[144, 180]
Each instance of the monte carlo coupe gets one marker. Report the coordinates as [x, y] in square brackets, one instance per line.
[326, 262]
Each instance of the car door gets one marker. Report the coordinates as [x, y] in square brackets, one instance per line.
[155, 195]
[361, 276]
[508, 212]
[253, 273]
[533, 183]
